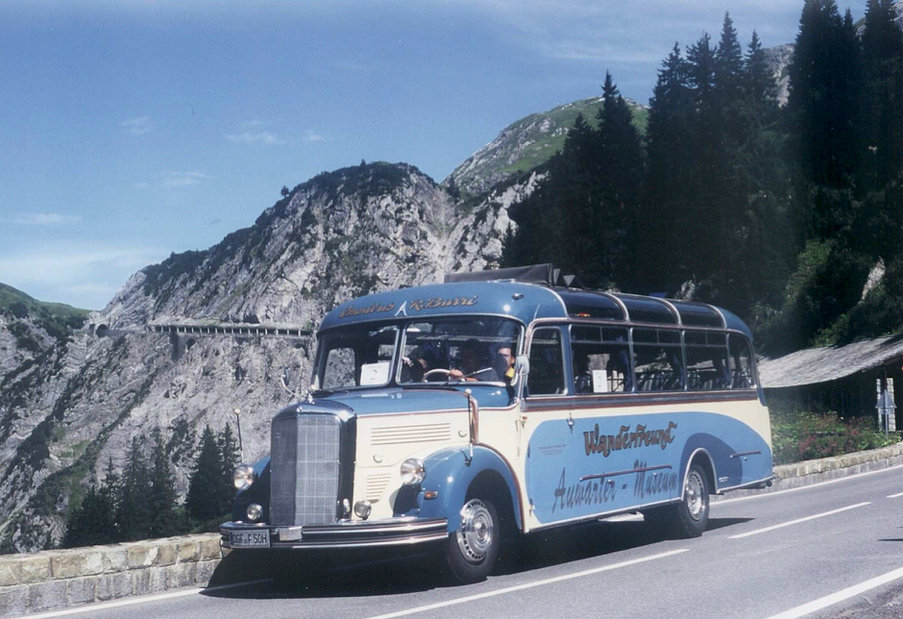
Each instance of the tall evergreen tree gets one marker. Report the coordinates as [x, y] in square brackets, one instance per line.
[93, 521]
[133, 514]
[229, 459]
[621, 174]
[203, 500]
[163, 520]
[664, 251]
[882, 94]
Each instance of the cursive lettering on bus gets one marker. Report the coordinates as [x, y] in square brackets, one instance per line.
[595, 442]
[441, 302]
[374, 308]
[587, 492]
[415, 305]
[658, 482]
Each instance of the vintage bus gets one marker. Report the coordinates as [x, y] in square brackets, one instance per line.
[499, 403]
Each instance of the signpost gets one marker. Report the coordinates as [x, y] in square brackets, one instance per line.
[886, 407]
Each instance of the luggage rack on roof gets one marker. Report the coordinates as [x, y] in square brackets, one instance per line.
[544, 274]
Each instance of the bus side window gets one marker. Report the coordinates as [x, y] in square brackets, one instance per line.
[546, 363]
[707, 367]
[658, 365]
[741, 362]
[601, 361]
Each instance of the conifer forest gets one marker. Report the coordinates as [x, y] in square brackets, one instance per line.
[787, 212]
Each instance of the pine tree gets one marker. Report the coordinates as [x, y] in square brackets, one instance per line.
[229, 459]
[92, 522]
[621, 173]
[203, 501]
[662, 246]
[882, 103]
[163, 520]
[133, 514]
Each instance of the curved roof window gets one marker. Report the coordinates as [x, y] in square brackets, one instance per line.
[590, 304]
[648, 309]
[698, 314]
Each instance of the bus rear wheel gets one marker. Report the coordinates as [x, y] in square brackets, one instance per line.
[473, 549]
[689, 517]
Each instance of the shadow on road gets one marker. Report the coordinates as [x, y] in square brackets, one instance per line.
[393, 571]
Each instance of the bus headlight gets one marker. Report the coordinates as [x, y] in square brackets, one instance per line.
[243, 476]
[412, 471]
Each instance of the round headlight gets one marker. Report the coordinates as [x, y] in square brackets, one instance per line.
[362, 509]
[412, 471]
[243, 476]
[253, 512]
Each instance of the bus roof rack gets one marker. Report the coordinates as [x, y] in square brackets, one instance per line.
[545, 274]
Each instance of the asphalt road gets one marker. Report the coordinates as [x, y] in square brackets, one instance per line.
[833, 549]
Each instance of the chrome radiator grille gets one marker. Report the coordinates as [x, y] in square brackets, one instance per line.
[305, 469]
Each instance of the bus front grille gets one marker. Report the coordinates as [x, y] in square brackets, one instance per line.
[305, 469]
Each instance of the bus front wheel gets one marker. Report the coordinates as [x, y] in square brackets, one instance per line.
[474, 547]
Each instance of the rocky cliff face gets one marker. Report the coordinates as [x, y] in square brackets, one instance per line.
[339, 235]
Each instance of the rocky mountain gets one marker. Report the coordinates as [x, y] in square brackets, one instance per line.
[526, 144]
[80, 401]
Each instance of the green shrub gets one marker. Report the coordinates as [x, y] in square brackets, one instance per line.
[807, 436]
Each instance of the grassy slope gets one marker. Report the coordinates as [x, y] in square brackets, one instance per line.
[55, 318]
[547, 145]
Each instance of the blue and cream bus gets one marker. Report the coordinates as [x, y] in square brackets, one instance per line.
[497, 403]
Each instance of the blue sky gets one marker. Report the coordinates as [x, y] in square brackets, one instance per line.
[129, 130]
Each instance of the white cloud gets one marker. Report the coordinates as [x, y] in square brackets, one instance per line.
[175, 179]
[45, 219]
[261, 137]
[313, 136]
[137, 126]
[254, 132]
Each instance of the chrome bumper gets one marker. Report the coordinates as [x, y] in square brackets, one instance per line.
[399, 531]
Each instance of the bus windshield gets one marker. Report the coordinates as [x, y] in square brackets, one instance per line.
[467, 348]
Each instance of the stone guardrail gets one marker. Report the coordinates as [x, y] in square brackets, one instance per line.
[55, 579]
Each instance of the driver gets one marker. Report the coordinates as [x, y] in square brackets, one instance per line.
[472, 366]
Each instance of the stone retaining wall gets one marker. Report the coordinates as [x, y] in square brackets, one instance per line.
[55, 579]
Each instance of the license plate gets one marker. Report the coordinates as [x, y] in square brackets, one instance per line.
[250, 539]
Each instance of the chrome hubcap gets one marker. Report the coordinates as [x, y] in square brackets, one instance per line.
[475, 533]
[694, 495]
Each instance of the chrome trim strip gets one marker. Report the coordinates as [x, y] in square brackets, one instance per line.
[741, 454]
[642, 469]
[643, 398]
[750, 484]
[403, 541]
[371, 534]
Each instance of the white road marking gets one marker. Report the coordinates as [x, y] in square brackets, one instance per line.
[798, 488]
[894, 496]
[799, 520]
[840, 596]
[529, 585]
[142, 599]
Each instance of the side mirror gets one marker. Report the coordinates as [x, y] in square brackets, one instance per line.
[521, 368]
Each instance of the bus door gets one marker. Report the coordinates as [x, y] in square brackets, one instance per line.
[564, 480]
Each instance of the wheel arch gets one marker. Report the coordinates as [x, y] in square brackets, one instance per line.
[704, 459]
[454, 475]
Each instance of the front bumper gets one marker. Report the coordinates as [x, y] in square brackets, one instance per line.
[356, 534]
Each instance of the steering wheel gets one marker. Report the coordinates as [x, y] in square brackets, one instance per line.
[436, 371]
